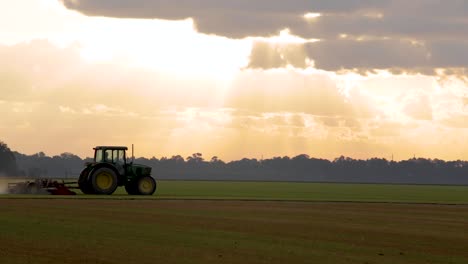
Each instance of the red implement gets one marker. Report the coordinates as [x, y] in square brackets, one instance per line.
[60, 189]
[42, 186]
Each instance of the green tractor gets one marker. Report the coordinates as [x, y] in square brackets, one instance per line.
[111, 169]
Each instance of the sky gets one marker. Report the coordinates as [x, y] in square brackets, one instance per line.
[234, 79]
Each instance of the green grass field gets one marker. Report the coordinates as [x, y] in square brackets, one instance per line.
[295, 192]
[241, 222]
[313, 192]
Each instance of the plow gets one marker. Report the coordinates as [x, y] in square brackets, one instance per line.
[43, 186]
[108, 170]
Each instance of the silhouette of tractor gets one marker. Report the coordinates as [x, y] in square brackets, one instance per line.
[110, 169]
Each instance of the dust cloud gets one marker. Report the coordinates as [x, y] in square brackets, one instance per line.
[4, 181]
[3, 184]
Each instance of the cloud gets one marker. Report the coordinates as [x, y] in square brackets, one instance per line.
[420, 18]
[50, 95]
[419, 108]
[291, 91]
[373, 54]
[38, 71]
[416, 36]
[236, 19]
[460, 121]
[363, 56]
[268, 55]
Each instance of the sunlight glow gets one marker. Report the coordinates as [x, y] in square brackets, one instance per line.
[163, 85]
[312, 16]
[168, 46]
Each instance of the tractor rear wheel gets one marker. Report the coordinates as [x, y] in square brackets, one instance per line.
[104, 181]
[84, 183]
[145, 185]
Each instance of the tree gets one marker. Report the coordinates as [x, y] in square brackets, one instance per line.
[7, 161]
[178, 159]
[195, 158]
[215, 161]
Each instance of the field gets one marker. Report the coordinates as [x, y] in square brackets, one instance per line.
[239, 222]
[290, 191]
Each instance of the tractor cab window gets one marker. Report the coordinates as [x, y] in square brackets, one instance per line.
[98, 156]
[108, 155]
[118, 156]
[121, 157]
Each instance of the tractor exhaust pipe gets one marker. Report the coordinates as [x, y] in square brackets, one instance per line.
[133, 156]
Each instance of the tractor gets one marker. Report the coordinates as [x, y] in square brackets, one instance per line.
[110, 169]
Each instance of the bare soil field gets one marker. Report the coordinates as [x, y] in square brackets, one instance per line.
[194, 231]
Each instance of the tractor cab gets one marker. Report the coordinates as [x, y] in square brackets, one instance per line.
[112, 155]
[111, 169]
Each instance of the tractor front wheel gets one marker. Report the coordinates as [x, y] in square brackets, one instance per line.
[145, 185]
[104, 181]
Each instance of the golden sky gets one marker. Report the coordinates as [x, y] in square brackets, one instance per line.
[234, 79]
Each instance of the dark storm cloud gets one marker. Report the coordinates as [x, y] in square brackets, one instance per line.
[418, 35]
[242, 18]
[236, 19]
[168, 9]
[398, 55]
[336, 54]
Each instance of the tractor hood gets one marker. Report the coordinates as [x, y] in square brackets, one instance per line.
[139, 169]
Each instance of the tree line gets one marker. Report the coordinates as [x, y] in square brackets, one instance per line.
[301, 168]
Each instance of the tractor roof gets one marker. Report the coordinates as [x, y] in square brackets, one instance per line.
[111, 147]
